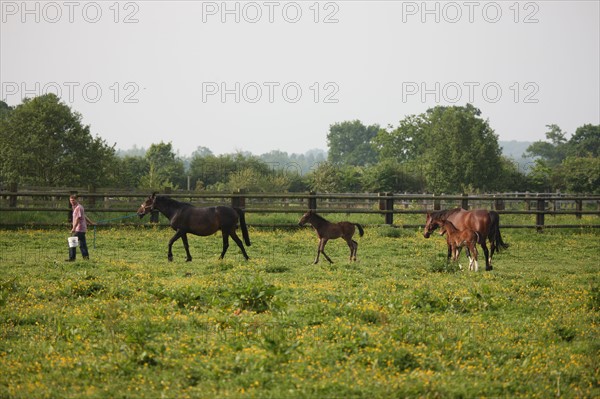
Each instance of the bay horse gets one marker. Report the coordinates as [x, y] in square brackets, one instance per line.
[485, 223]
[457, 239]
[186, 218]
[328, 231]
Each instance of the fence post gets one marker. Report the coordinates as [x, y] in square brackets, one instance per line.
[386, 203]
[539, 217]
[498, 204]
[464, 204]
[437, 203]
[578, 208]
[312, 201]
[237, 199]
[91, 201]
[12, 199]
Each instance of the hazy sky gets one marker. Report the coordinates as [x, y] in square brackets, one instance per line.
[273, 75]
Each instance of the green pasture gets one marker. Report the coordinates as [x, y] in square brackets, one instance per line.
[400, 322]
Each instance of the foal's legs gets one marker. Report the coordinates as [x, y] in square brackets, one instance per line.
[321, 249]
[355, 249]
[473, 264]
[353, 246]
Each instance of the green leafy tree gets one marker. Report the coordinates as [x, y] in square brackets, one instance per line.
[581, 175]
[452, 148]
[131, 171]
[459, 150]
[585, 142]
[511, 177]
[350, 143]
[552, 151]
[202, 151]
[154, 181]
[42, 141]
[392, 176]
[400, 144]
[213, 172]
[563, 164]
[326, 177]
[164, 167]
[540, 176]
[4, 109]
[253, 181]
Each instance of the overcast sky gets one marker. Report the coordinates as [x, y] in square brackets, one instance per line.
[273, 75]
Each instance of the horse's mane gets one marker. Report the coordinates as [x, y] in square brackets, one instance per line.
[444, 214]
[171, 202]
[319, 217]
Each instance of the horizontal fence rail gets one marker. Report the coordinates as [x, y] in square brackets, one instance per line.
[385, 204]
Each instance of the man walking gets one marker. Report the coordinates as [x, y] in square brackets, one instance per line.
[80, 222]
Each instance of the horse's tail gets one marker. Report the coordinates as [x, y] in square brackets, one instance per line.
[361, 232]
[242, 216]
[495, 231]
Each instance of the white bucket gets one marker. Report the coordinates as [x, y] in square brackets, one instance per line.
[73, 242]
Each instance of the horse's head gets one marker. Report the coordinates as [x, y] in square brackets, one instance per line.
[430, 225]
[147, 206]
[306, 218]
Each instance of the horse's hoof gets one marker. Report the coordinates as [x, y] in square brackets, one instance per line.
[188, 260]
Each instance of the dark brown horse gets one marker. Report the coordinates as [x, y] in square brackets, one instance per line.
[328, 231]
[186, 218]
[485, 223]
[457, 239]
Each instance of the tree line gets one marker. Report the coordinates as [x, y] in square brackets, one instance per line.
[446, 149]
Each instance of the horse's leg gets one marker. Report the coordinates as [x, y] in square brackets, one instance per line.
[456, 255]
[324, 241]
[176, 237]
[225, 243]
[187, 247]
[355, 248]
[351, 246]
[486, 253]
[492, 251]
[239, 243]
[468, 252]
[318, 251]
[474, 252]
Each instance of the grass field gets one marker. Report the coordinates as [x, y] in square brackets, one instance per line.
[400, 322]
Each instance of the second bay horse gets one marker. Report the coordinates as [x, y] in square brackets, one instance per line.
[485, 223]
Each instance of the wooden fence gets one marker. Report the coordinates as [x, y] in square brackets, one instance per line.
[385, 204]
